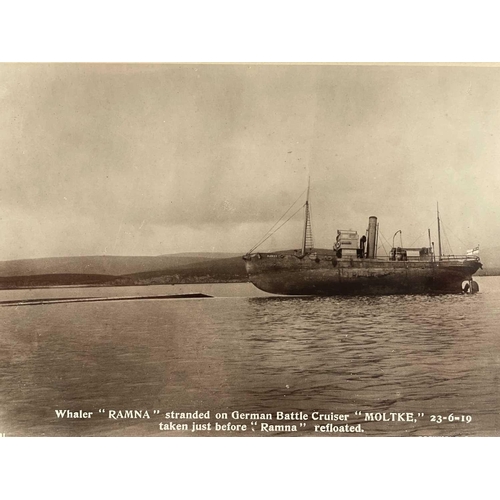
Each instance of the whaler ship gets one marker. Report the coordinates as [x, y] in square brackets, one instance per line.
[352, 267]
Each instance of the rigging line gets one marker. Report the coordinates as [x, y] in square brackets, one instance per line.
[423, 236]
[447, 240]
[381, 244]
[276, 223]
[277, 229]
[380, 232]
[453, 234]
[445, 235]
[414, 241]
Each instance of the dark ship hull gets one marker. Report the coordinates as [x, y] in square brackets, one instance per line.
[323, 274]
[353, 267]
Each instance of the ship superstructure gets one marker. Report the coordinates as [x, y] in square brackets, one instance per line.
[352, 267]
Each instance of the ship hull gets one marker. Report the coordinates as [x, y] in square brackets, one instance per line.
[326, 275]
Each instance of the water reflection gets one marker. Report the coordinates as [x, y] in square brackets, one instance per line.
[395, 353]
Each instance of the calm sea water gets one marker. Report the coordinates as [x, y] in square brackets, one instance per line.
[247, 351]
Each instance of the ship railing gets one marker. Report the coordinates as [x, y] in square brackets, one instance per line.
[408, 258]
[278, 255]
[411, 258]
[430, 258]
[459, 257]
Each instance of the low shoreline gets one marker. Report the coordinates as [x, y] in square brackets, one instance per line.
[66, 300]
[121, 285]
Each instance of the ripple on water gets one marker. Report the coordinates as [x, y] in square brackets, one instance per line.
[426, 354]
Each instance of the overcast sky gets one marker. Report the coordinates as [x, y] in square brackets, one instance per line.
[157, 159]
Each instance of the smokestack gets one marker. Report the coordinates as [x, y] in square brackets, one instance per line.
[372, 235]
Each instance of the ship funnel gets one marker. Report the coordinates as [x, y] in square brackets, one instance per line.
[372, 236]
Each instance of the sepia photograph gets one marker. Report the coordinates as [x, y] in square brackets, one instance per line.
[249, 250]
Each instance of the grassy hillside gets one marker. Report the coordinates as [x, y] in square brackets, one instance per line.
[46, 280]
[213, 270]
[102, 264]
[163, 269]
[114, 271]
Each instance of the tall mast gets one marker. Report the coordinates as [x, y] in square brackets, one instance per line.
[430, 244]
[307, 236]
[439, 231]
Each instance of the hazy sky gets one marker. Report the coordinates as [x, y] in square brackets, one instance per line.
[156, 159]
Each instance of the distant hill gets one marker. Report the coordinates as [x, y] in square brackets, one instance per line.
[230, 268]
[47, 280]
[114, 270]
[209, 270]
[103, 264]
[490, 258]
[195, 267]
[206, 255]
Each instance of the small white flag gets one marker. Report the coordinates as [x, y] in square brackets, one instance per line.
[474, 251]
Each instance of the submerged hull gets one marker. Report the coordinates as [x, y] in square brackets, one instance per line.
[317, 274]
